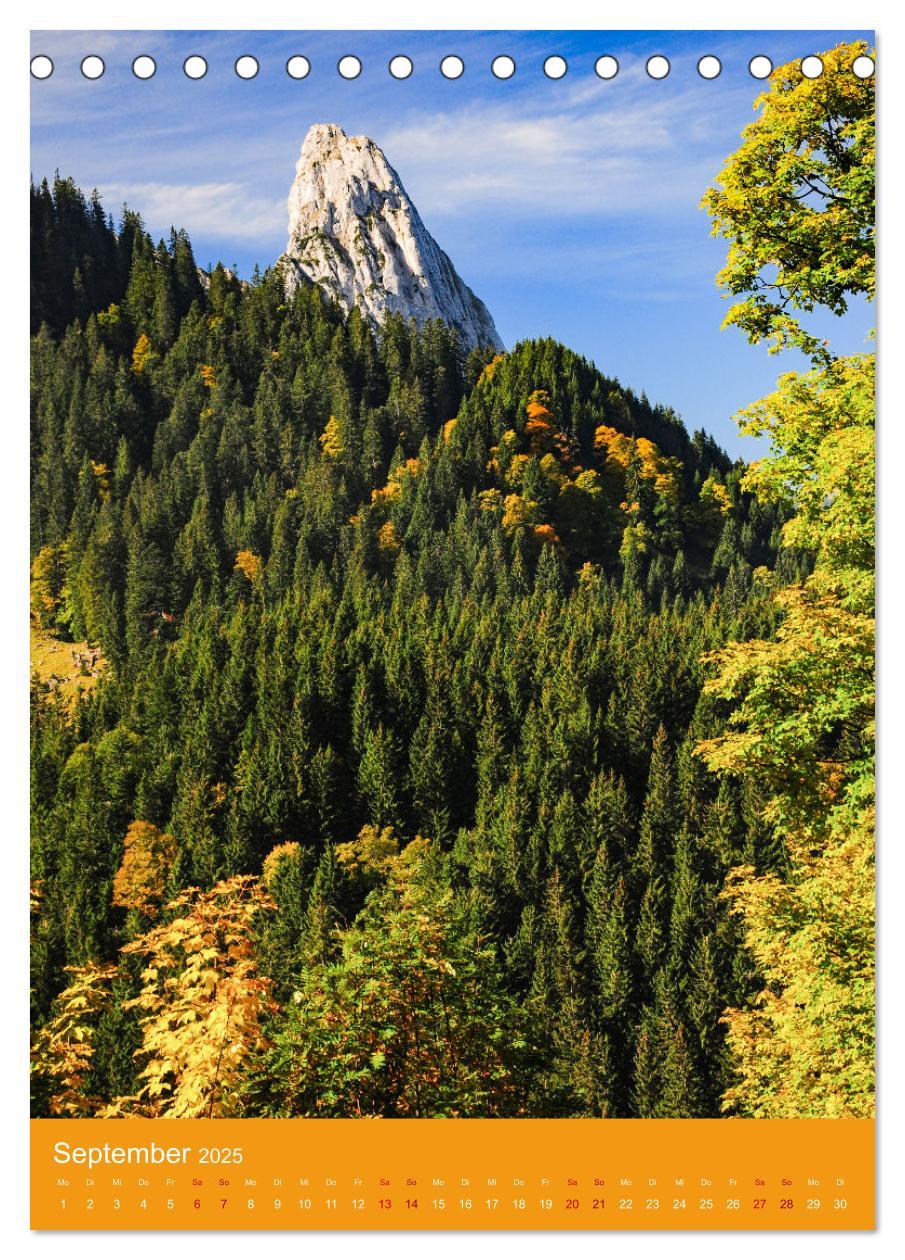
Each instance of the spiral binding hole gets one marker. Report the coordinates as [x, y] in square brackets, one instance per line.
[863, 67]
[503, 67]
[194, 67]
[92, 67]
[349, 67]
[452, 67]
[298, 67]
[247, 67]
[144, 67]
[41, 67]
[400, 67]
[606, 67]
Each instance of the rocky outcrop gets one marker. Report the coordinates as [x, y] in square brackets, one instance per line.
[354, 232]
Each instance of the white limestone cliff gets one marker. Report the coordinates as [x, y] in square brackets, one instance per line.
[354, 232]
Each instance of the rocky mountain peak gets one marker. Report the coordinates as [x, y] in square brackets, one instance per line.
[354, 232]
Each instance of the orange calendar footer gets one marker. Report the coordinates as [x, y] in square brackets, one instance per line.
[452, 1174]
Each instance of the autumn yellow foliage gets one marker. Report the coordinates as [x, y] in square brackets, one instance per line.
[282, 853]
[202, 1002]
[102, 477]
[540, 427]
[619, 449]
[805, 1047]
[249, 565]
[388, 542]
[63, 1048]
[489, 368]
[142, 354]
[393, 488]
[148, 857]
[331, 440]
[518, 511]
[373, 852]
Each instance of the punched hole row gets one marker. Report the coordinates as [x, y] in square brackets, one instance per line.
[451, 67]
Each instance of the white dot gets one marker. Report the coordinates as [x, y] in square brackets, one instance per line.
[503, 67]
[349, 67]
[606, 67]
[400, 67]
[144, 67]
[298, 67]
[658, 67]
[93, 67]
[709, 67]
[41, 67]
[195, 67]
[812, 67]
[760, 67]
[863, 67]
[247, 67]
[452, 67]
[555, 67]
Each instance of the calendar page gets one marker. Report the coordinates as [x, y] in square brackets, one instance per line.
[452, 536]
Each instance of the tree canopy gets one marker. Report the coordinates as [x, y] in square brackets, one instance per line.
[802, 717]
[796, 202]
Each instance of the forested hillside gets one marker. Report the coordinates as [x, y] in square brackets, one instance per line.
[386, 800]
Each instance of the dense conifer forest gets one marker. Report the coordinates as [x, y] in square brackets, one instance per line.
[388, 779]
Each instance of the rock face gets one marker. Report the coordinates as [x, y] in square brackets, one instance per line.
[354, 232]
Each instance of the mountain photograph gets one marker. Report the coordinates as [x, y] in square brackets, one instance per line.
[424, 722]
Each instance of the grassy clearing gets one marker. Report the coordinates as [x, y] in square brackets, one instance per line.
[69, 668]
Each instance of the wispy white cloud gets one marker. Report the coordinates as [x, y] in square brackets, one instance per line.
[216, 210]
[599, 150]
[628, 146]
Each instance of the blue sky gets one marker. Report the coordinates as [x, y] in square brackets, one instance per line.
[569, 206]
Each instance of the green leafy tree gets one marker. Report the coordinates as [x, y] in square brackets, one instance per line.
[796, 202]
[410, 1020]
[802, 718]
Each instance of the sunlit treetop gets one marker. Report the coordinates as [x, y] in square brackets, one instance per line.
[796, 203]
